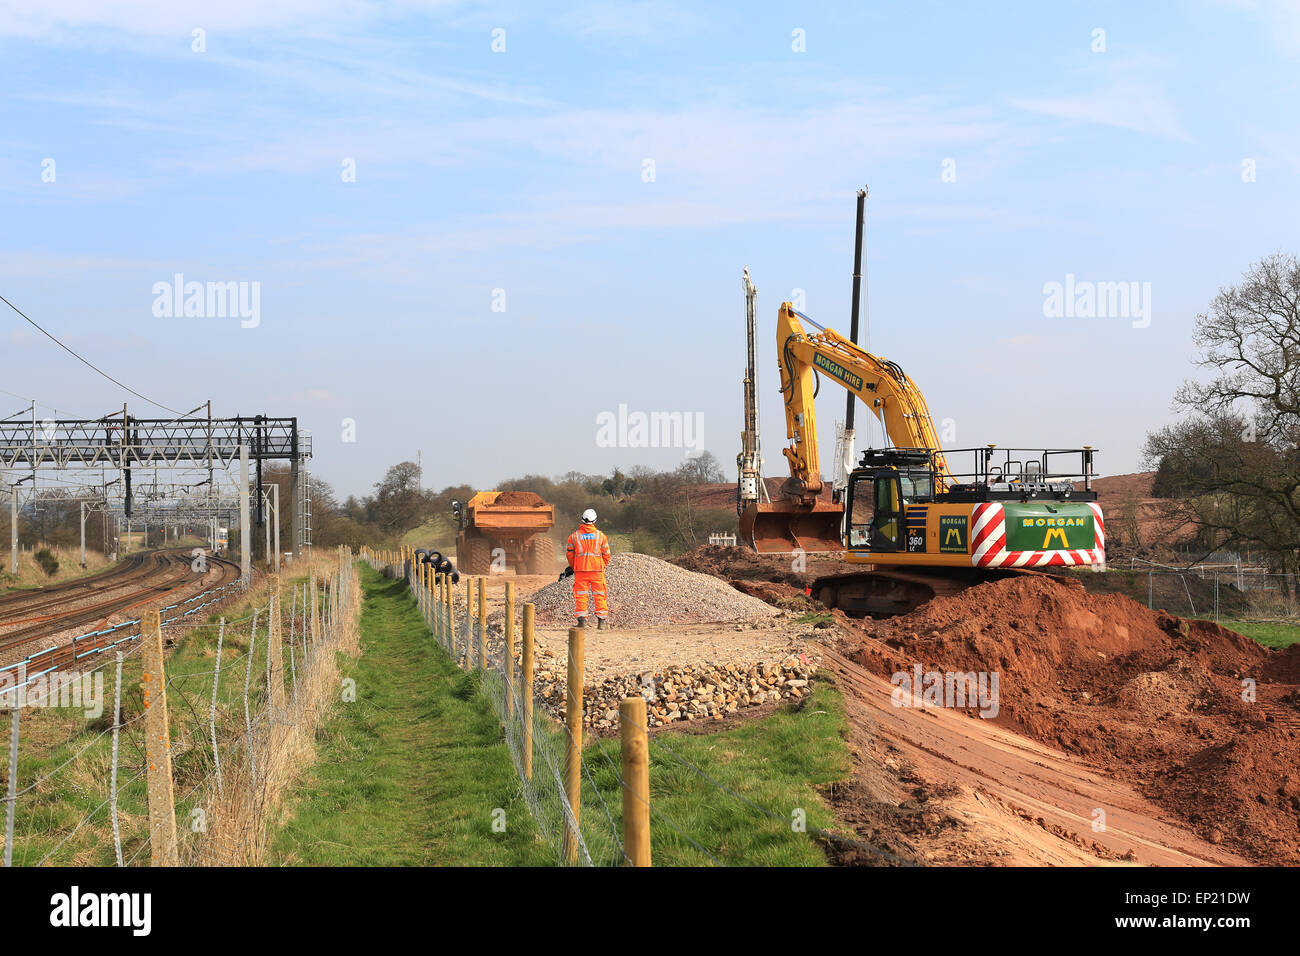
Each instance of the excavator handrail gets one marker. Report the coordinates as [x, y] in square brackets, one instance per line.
[991, 464]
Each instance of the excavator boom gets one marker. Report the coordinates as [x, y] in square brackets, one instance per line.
[805, 518]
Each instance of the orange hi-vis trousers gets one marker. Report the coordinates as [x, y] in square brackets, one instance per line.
[594, 581]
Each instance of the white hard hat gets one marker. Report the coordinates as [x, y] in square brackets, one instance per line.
[589, 515]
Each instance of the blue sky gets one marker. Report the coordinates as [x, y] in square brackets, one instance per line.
[522, 170]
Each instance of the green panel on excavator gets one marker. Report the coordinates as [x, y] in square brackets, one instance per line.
[1050, 526]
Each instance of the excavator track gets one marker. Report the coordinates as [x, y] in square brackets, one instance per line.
[894, 591]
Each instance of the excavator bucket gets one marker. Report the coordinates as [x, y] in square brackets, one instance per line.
[784, 526]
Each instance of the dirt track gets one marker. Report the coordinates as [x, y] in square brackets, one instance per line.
[993, 796]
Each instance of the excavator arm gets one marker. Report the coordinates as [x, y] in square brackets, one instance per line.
[881, 384]
[803, 519]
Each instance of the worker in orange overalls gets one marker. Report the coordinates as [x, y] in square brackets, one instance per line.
[588, 554]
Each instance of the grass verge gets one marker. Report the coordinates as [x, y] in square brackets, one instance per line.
[413, 771]
[32, 576]
[775, 762]
[1269, 633]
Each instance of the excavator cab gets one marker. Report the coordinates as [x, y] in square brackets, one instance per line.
[881, 496]
[875, 508]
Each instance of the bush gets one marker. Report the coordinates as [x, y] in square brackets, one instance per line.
[48, 562]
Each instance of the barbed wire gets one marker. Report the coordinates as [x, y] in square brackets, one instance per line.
[88, 817]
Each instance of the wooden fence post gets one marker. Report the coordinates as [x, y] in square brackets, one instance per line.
[315, 613]
[469, 622]
[158, 746]
[274, 649]
[526, 691]
[482, 623]
[439, 608]
[509, 631]
[449, 605]
[636, 780]
[573, 745]
[437, 582]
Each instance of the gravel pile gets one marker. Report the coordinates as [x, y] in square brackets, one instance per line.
[644, 591]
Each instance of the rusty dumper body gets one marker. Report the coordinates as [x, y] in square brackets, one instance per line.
[505, 526]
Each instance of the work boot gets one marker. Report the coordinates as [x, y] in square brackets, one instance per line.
[582, 622]
[600, 623]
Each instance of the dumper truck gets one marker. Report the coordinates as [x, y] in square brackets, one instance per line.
[504, 531]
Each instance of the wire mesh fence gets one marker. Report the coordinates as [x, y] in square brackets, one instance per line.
[106, 641]
[1229, 594]
[241, 697]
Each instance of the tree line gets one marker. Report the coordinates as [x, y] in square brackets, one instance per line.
[658, 511]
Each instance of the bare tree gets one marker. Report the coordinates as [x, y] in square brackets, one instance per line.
[398, 500]
[701, 469]
[1232, 466]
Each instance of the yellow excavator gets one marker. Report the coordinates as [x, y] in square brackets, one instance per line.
[914, 525]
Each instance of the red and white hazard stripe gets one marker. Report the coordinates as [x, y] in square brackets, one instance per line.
[988, 535]
[1099, 550]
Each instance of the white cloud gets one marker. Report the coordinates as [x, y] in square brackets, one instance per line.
[158, 18]
[643, 20]
[33, 265]
[316, 398]
[1128, 105]
[1282, 18]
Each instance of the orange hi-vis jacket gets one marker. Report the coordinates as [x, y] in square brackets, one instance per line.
[588, 549]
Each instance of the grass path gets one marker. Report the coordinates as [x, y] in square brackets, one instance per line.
[412, 772]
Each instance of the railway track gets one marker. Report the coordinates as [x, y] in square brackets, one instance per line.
[143, 580]
[11, 601]
[52, 603]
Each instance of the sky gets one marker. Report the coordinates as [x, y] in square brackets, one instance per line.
[477, 230]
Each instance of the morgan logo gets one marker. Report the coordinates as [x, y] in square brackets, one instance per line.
[1058, 533]
[1050, 532]
[952, 534]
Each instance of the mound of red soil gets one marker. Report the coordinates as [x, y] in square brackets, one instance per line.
[520, 499]
[1163, 702]
[1284, 667]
